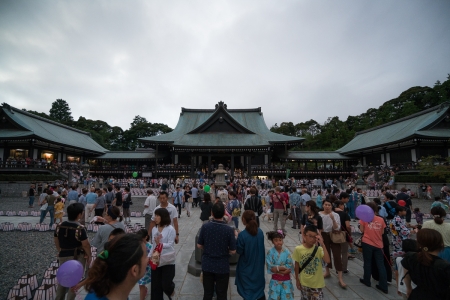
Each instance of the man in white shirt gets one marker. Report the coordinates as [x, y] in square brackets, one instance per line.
[149, 207]
[164, 203]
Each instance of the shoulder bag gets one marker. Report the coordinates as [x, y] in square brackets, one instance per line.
[310, 258]
[338, 237]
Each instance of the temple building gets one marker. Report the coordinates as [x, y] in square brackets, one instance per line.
[239, 139]
[25, 135]
[236, 138]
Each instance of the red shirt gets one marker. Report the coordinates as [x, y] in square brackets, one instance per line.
[277, 200]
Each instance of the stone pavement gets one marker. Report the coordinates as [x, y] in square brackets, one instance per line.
[188, 286]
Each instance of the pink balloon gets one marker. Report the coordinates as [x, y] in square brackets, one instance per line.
[365, 213]
[70, 273]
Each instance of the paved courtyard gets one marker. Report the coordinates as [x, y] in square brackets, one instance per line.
[190, 287]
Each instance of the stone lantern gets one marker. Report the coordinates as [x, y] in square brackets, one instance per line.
[220, 177]
[359, 170]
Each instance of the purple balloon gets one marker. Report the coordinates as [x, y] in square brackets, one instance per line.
[70, 273]
[365, 213]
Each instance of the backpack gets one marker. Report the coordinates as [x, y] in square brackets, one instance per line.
[237, 210]
[390, 211]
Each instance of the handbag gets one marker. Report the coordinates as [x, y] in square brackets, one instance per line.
[358, 241]
[44, 206]
[338, 237]
[190, 200]
[348, 236]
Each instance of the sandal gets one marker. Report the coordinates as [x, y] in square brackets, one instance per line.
[343, 286]
[351, 257]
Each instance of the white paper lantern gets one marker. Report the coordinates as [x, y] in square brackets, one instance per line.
[45, 292]
[30, 279]
[21, 290]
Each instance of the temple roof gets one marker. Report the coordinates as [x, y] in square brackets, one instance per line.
[315, 155]
[19, 124]
[128, 155]
[433, 123]
[221, 127]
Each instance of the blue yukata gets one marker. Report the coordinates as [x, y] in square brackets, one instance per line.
[148, 271]
[250, 278]
[280, 290]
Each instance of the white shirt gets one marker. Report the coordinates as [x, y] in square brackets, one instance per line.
[172, 212]
[151, 203]
[328, 223]
[401, 273]
[168, 240]
[168, 255]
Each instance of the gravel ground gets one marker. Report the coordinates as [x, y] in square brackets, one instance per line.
[24, 253]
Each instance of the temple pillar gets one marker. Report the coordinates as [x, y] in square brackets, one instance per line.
[156, 161]
[249, 163]
[232, 165]
[192, 166]
[209, 166]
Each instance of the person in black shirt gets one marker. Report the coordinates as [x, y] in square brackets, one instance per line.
[218, 241]
[118, 198]
[253, 203]
[426, 269]
[31, 194]
[405, 197]
[72, 244]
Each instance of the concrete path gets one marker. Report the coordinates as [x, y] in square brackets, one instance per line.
[189, 287]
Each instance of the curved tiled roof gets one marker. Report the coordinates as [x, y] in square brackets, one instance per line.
[417, 125]
[251, 119]
[46, 130]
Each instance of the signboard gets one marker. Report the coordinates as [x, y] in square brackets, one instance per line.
[147, 174]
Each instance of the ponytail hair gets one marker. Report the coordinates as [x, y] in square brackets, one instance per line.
[429, 240]
[250, 220]
[438, 214]
[114, 213]
[313, 206]
[111, 266]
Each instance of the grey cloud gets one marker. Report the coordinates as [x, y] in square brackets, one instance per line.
[296, 59]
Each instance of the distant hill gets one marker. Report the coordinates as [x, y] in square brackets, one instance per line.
[334, 133]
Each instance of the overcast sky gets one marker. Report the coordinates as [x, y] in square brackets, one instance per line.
[297, 60]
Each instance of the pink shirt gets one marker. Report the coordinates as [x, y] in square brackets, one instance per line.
[373, 232]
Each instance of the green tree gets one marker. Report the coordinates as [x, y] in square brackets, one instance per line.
[435, 166]
[60, 111]
[141, 128]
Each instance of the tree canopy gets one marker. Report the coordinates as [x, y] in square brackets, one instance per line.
[335, 133]
[60, 111]
[110, 137]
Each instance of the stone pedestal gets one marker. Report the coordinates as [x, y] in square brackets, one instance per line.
[195, 263]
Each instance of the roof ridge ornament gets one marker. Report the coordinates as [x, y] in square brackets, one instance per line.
[7, 106]
[221, 104]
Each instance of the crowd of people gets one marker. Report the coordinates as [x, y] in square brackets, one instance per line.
[419, 267]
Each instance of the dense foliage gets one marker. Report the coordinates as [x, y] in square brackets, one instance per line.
[112, 138]
[334, 133]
